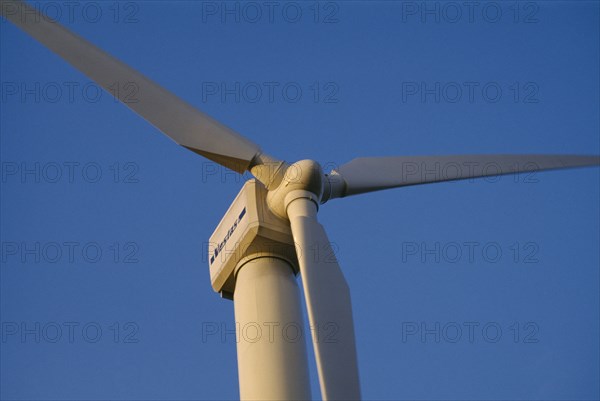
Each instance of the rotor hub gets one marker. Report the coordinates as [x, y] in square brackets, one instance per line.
[303, 179]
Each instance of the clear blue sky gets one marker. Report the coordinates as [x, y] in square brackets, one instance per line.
[166, 202]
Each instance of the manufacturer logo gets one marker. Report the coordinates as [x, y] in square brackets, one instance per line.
[230, 232]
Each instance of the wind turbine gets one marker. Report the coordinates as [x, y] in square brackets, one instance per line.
[270, 231]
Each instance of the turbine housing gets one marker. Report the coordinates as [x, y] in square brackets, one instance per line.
[256, 224]
[249, 230]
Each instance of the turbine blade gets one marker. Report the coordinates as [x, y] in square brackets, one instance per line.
[173, 116]
[328, 303]
[370, 174]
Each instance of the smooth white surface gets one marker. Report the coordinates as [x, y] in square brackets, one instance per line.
[328, 303]
[367, 174]
[272, 362]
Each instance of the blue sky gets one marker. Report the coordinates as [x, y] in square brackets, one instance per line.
[149, 205]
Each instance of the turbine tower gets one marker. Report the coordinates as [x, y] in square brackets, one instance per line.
[270, 234]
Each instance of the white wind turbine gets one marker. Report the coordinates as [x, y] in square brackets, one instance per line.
[270, 232]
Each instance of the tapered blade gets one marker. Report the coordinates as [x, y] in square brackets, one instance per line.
[329, 310]
[370, 174]
[176, 118]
